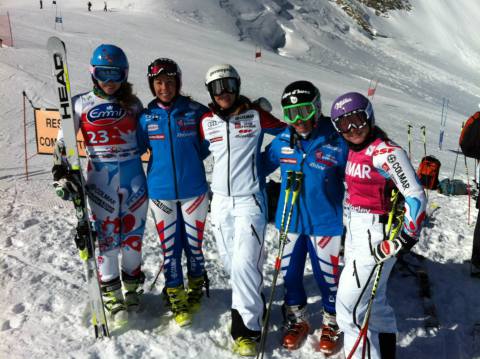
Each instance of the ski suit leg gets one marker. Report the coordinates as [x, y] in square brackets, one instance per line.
[103, 180]
[133, 213]
[222, 222]
[239, 224]
[293, 266]
[194, 212]
[364, 232]
[476, 243]
[248, 259]
[324, 252]
[165, 214]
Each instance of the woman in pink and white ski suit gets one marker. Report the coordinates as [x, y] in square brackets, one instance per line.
[375, 165]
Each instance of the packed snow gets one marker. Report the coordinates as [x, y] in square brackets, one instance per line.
[423, 56]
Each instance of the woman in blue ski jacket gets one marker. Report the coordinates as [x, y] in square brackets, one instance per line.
[310, 145]
[177, 185]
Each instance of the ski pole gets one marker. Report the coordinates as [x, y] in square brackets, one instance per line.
[409, 131]
[468, 189]
[392, 231]
[293, 185]
[156, 277]
[424, 136]
[456, 156]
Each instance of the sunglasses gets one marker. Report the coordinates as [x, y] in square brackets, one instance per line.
[355, 119]
[162, 69]
[109, 74]
[217, 87]
[302, 111]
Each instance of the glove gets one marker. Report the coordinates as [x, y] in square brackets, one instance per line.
[387, 249]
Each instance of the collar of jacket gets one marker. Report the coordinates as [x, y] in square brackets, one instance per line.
[241, 105]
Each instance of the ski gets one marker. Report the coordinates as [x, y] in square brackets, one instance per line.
[84, 238]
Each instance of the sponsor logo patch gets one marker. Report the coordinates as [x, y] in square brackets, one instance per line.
[292, 161]
[152, 127]
[106, 114]
[160, 136]
[287, 151]
[216, 139]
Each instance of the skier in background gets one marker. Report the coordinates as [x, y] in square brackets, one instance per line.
[105, 6]
[41, 4]
[234, 130]
[89, 5]
[177, 186]
[375, 165]
[312, 146]
[116, 187]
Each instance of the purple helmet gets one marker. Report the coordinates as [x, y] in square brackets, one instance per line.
[350, 102]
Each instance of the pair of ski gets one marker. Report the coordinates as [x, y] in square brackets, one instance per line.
[84, 239]
[292, 191]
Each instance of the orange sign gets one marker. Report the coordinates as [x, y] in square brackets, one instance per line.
[47, 124]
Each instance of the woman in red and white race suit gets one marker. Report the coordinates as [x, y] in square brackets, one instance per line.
[116, 186]
[375, 165]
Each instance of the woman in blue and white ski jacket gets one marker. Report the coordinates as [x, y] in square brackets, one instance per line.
[177, 185]
[310, 145]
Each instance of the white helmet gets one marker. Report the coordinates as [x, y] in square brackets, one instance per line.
[230, 80]
[221, 71]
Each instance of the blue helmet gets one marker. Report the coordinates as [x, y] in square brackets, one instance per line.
[109, 55]
[109, 63]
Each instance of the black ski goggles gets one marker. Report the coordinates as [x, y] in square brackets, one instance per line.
[355, 119]
[165, 68]
[228, 85]
[299, 112]
[109, 74]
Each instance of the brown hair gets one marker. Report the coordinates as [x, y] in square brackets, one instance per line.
[125, 96]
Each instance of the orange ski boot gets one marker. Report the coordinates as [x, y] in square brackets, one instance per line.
[296, 327]
[330, 333]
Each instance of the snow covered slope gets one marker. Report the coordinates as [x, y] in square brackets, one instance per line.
[427, 54]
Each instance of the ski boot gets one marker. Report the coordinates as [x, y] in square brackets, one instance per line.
[132, 293]
[195, 291]
[113, 302]
[246, 347]
[178, 299]
[330, 332]
[296, 326]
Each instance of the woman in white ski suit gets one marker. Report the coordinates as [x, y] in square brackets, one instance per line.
[375, 165]
[234, 130]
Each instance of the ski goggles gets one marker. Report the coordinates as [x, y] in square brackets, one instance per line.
[109, 74]
[303, 111]
[228, 84]
[355, 119]
[168, 69]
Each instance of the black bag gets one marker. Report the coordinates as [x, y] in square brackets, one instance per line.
[470, 137]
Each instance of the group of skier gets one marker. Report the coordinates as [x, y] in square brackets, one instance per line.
[341, 169]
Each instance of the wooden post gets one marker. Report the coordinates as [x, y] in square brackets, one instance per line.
[10, 26]
[25, 134]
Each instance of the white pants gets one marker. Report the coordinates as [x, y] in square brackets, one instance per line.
[239, 225]
[364, 232]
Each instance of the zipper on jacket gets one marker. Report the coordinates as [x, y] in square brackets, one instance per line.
[253, 167]
[228, 155]
[173, 156]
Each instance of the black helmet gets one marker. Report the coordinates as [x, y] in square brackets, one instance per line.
[300, 93]
[164, 66]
